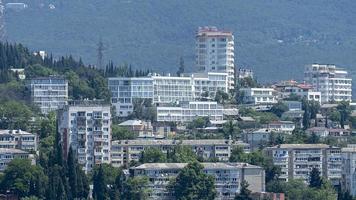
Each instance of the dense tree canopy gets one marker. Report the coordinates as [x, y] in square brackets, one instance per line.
[192, 183]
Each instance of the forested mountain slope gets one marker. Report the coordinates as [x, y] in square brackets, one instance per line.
[276, 38]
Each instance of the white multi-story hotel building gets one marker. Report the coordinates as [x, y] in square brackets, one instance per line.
[332, 82]
[85, 127]
[228, 177]
[188, 111]
[259, 95]
[125, 151]
[18, 139]
[49, 93]
[163, 89]
[215, 52]
[349, 168]
[297, 160]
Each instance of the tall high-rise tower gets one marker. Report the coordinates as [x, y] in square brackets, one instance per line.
[215, 52]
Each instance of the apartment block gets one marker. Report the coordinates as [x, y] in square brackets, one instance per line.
[85, 127]
[188, 111]
[125, 151]
[297, 160]
[163, 89]
[7, 155]
[49, 93]
[259, 95]
[215, 52]
[332, 82]
[18, 139]
[349, 168]
[228, 177]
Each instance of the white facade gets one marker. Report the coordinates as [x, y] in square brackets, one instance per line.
[228, 177]
[188, 111]
[297, 160]
[86, 127]
[215, 52]
[163, 89]
[125, 151]
[333, 83]
[49, 93]
[17, 139]
[259, 95]
[348, 168]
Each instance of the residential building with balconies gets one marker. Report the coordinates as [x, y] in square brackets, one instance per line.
[215, 52]
[188, 111]
[332, 82]
[7, 155]
[228, 177]
[164, 89]
[18, 139]
[85, 127]
[49, 93]
[349, 168]
[297, 160]
[125, 151]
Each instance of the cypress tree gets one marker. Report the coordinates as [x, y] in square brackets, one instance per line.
[315, 179]
[100, 189]
[72, 174]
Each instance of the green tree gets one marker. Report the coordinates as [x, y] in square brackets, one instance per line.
[136, 189]
[48, 125]
[100, 190]
[24, 179]
[313, 139]
[231, 129]
[193, 183]
[315, 180]
[199, 122]
[244, 191]
[345, 111]
[122, 133]
[152, 155]
[279, 108]
[181, 154]
[221, 96]
[14, 115]
[181, 66]
[307, 114]
[38, 70]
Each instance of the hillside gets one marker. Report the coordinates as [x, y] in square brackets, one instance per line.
[276, 38]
